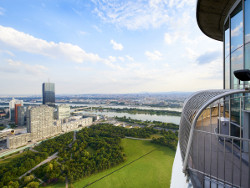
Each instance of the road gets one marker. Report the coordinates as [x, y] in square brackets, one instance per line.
[40, 164]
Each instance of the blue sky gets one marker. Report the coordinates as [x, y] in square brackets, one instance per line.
[105, 46]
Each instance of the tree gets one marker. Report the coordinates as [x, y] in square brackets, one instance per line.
[33, 184]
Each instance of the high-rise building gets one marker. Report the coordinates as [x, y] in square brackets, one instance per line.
[12, 104]
[40, 119]
[16, 113]
[21, 115]
[63, 111]
[214, 134]
[49, 94]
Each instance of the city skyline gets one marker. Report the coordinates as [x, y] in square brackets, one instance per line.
[97, 47]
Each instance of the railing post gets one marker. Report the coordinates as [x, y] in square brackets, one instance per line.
[198, 113]
[229, 123]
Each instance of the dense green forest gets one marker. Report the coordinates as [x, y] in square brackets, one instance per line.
[139, 111]
[9, 172]
[95, 149]
[55, 144]
[169, 139]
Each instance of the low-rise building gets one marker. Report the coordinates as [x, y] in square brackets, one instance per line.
[16, 141]
[76, 122]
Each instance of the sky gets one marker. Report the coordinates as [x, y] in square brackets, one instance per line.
[105, 46]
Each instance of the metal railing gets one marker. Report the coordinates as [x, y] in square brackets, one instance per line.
[214, 138]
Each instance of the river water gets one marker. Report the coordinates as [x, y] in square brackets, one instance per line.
[143, 117]
[108, 106]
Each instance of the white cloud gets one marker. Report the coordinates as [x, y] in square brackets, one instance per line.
[167, 38]
[237, 30]
[191, 53]
[112, 58]
[133, 14]
[83, 33]
[2, 10]
[110, 63]
[121, 58]
[129, 58]
[18, 66]
[155, 56]
[139, 14]
[28, 43]
[7, 52]
[116, 46]
[170, 38]
[247, 38]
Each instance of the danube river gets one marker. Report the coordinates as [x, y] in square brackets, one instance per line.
[143, 117]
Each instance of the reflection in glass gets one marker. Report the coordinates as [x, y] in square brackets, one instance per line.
[235, 111]
[227, 73]
[227, 56]
[247, 23]
[236, 64]
[247, 36]
[236, 44]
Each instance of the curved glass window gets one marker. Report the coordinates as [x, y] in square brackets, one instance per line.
[247, 35]
[247, 45]
[236, 44]
[227, 56]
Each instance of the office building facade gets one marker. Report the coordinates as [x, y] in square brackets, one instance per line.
[48, 90]
[214, 131]
[16, 113]
[12, 110]
[63, 111]
[21, 111]
[41, 125]
[40, 121]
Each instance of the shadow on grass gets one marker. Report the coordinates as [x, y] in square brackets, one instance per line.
[166, 150]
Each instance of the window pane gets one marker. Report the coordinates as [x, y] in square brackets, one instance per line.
[227, 38]
[236, 64]
[236, 44]
[236, 28]
[247, 24]
[227, 73]
[247, 36]
[227, 56]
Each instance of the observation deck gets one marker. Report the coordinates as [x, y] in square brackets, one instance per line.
[214, 138]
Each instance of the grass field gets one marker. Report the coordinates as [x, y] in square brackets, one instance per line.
[152, 170]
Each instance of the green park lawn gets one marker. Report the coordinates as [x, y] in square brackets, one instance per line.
[152, 170]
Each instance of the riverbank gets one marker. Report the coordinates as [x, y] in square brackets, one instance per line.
[138, 111]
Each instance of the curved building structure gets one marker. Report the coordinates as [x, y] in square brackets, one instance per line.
[214, 131]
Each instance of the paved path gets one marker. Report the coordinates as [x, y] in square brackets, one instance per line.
[137, 138]
[31, 149]
[40, 164]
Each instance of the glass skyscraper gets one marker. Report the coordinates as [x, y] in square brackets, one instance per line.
[49, 94]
